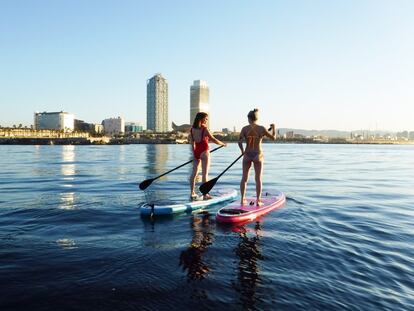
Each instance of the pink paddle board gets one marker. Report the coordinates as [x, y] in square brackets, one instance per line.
[235, 212]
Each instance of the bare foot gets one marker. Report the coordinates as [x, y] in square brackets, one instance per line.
[207, 197]
[243, 202]
[193, 197]
[259, 203]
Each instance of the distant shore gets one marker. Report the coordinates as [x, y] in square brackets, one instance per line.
[129, 141]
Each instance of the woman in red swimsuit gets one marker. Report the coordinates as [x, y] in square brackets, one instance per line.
[253, 134]
[199, 136]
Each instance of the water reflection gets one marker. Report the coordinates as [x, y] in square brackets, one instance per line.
[157, 156]
[66, 243]
[248, 273]
[121, 154]
[67, 169]
[191, 259]
[123, 170]
[67, 200]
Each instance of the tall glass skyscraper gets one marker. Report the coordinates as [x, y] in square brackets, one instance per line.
[157, 104]
[199, 99]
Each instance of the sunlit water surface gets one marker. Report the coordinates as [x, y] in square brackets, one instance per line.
[71, 235]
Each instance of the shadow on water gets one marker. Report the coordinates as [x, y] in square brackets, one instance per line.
[191, 259]
[248, 273]
[294, 200]
[151, 222]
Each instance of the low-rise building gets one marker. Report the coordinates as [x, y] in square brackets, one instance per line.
[97, 129]
[289, 134]
[82, 126]
[132, 127]
[114, 126]
[61, 121]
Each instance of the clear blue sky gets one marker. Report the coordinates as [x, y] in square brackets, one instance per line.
[342, 65]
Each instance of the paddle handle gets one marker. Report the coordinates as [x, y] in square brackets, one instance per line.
[217, 148]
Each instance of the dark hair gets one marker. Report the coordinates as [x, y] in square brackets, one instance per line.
[198, 118]
[252, 115]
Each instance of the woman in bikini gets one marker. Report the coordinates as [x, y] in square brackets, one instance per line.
[198, 138]
[253, 135]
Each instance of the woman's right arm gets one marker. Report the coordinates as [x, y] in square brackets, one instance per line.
[272, 135]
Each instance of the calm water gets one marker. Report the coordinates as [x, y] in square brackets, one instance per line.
[71, 235]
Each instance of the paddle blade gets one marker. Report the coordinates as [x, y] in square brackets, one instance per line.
[145, 184]
[207, 186]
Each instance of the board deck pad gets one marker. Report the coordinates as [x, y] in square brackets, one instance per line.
[236, 213]
[218, 196]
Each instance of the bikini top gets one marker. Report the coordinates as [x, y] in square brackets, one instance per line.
[251, 136]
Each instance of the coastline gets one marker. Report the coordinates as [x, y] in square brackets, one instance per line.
[128, 141]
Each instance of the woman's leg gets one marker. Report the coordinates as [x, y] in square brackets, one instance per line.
[258, 169]
[246, 167]
[205, 164]
[194, 173]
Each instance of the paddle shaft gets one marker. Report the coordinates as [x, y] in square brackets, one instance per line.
[229, 166]
[207, 186]
[188, 162]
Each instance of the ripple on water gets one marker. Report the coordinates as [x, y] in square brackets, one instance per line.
[71, 229]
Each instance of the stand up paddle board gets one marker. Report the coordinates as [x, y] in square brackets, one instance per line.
[218, 196]
[235, 212]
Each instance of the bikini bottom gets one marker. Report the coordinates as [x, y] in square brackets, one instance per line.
[253, 156]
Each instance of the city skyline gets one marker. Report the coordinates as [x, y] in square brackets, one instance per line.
[319, 65]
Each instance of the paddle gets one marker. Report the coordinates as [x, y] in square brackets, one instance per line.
[146, 183]
[208, 185]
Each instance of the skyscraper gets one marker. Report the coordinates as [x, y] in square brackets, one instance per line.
[199, 99]
[157, 104]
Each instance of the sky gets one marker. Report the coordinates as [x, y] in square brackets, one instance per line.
[320, 64]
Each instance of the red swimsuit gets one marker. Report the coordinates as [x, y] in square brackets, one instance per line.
[200, 146]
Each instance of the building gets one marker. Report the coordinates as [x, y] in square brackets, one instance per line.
[82, 126]
[199, 99]
[114, 126]
[61, 121]
[157, 104]
[97, 129]
[132, 127]
[289, 134]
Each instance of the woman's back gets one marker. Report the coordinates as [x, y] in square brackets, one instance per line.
[198, 134]
[253, 134]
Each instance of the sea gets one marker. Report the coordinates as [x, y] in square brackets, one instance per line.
[72, 237]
